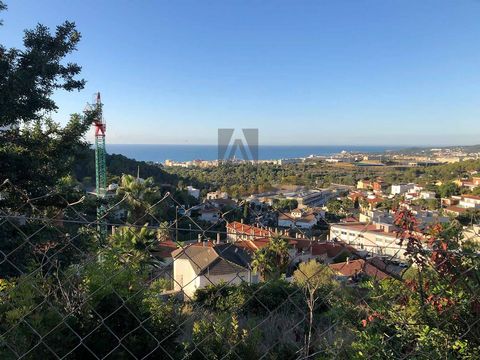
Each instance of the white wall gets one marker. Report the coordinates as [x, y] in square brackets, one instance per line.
[184, 277]
[187, 281]
[374, 242]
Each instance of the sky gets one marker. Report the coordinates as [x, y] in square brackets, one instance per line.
[304, 72]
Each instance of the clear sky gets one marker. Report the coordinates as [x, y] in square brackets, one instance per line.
[404, 72]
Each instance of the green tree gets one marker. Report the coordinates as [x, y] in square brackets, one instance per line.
[272, 260]
[139, 195]
[313, 277]
[132, 244]
[35, 151]
[448, 189]
[262, 262]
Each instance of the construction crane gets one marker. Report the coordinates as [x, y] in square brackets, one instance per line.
[100, 164]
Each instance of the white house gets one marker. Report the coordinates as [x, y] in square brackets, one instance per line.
[470, 201]
[297, 218]
[199, 265]
[380, 239]
[427, 195]
[399, 189]
[210, 214]
[214, 195]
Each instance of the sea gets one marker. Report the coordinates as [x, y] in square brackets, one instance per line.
[159, 152]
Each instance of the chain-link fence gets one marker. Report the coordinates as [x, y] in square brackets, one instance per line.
[217, 280]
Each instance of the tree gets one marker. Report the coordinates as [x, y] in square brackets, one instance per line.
[448, 189]
[313, 277]
[2, 7]
[279, 247]
[163, 232]
[286, 204]
[30, 76]
[469, 217]
[262, 262]
[132, 245]
[139, 195]
[245, 212]
[272, 260]
[35, 151]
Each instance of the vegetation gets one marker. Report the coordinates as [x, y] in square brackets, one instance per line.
[245, 179]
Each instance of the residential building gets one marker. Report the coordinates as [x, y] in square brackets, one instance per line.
[380, 239]
[364, 184]
[222, 203]
[456, 205]
[379, 185]
[214, 195]
[469, 184]
[399, 189]
[238, 231]
[427, 195]
[210, 214]
[199, 265]
[355, 270]
[297, 219]
[470, 201]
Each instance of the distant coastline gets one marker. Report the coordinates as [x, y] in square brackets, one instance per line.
[160, 153]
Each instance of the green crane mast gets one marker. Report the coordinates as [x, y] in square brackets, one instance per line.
[100, 165]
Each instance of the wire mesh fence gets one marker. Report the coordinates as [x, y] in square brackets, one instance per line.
[215, 281]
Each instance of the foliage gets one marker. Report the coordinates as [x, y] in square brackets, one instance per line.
[139, 194]
[448, 189]
[272, 260]
[30, 76]
[285, 204]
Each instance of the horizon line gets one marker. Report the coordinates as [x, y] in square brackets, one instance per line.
[303, 145]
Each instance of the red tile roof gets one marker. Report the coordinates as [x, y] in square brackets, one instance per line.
[474, 197]
[455, 209]
[245, 229]
[332, 250]
[356, 267]
[164, 249]
[349, 219]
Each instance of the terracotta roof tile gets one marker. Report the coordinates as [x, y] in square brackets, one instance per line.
[357, 267]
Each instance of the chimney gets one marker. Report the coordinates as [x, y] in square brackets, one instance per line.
[348, 260]
[241, 220]
[199, 238]
[218, 238]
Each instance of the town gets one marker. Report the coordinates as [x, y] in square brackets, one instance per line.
[329, 225]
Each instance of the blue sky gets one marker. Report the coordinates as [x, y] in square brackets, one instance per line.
[355, 72]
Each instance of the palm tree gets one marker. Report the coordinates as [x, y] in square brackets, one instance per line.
[139, 194]
[279, 246]
[262, 262]
[132, 245]
[273, 259]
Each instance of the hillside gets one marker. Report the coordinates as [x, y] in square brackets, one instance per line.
[117, 165]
